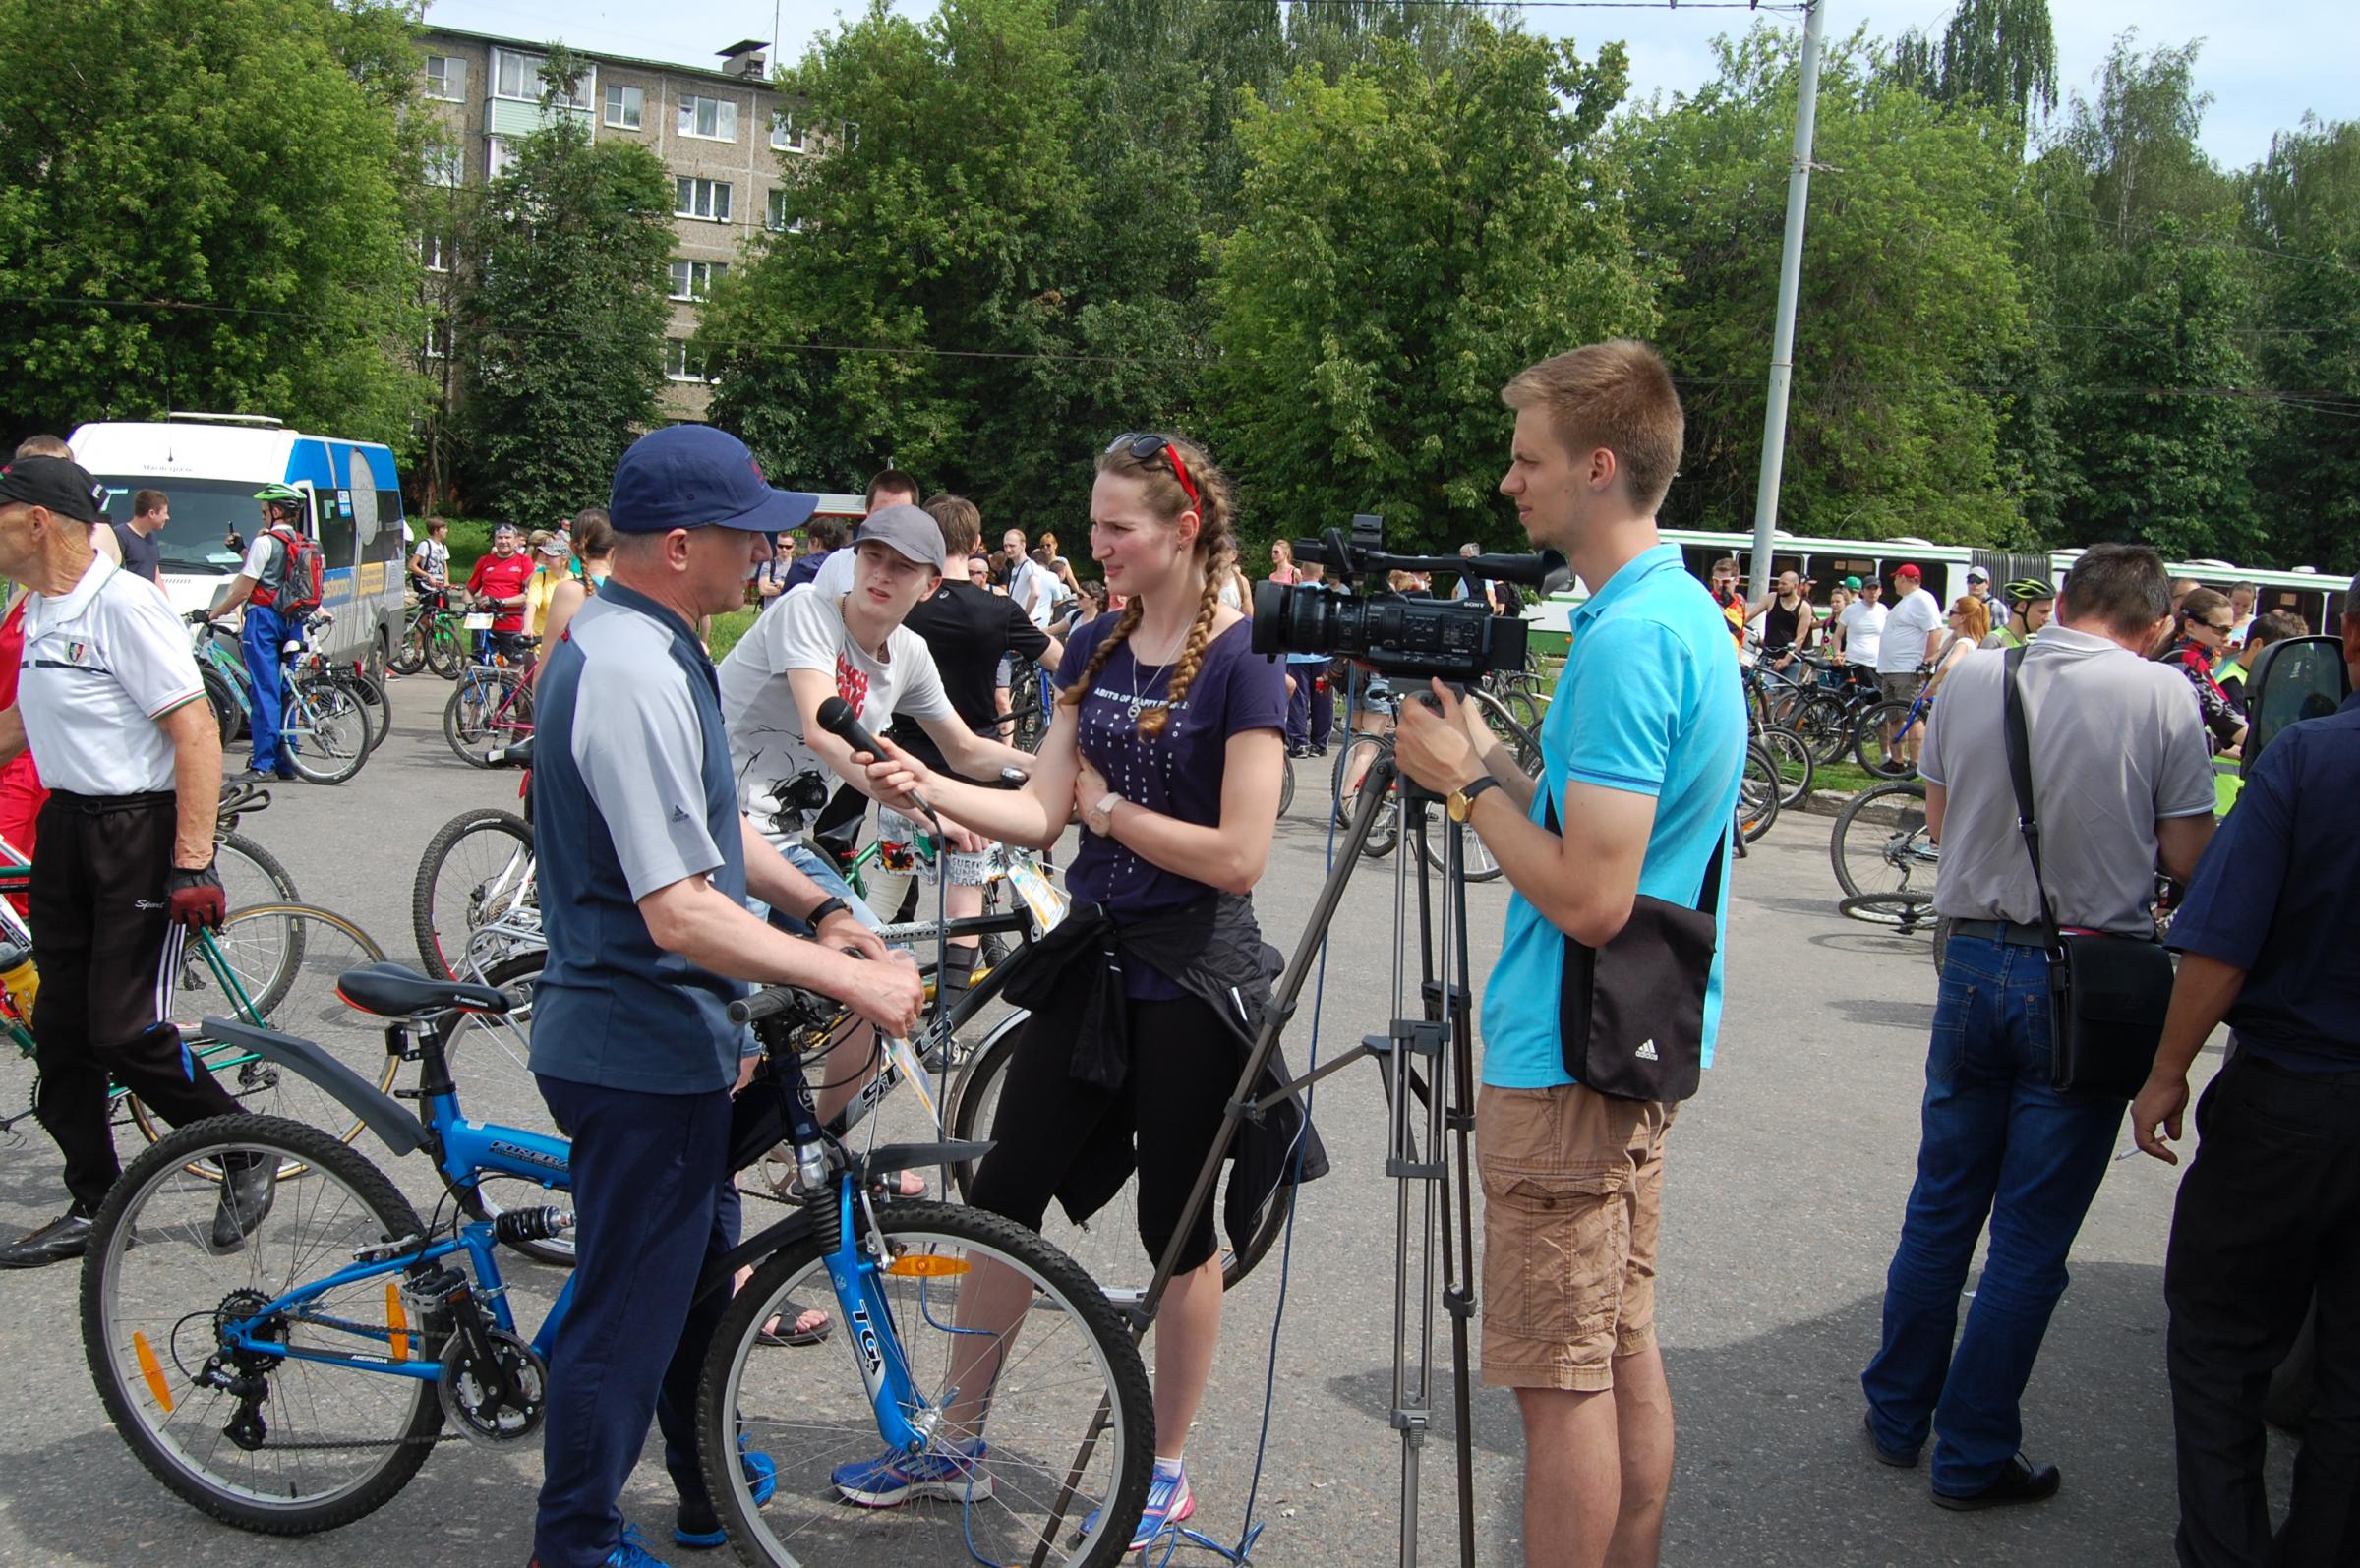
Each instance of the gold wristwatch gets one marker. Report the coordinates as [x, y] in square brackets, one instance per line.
[1461, 802]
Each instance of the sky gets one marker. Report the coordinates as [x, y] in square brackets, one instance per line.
[2265, 64]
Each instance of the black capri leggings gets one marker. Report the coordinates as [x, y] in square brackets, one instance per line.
[1184, 1063]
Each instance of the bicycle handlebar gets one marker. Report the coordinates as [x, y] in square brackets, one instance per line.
[781, 1002]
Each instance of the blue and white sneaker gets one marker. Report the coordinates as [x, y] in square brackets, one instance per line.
[896, 1478]
[632, 1552]
[1169, 1501]
[698, 1528]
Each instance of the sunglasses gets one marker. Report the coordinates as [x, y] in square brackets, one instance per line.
[2214, 625]
[1147, 449]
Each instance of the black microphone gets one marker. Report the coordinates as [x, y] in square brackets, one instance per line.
[837, 717]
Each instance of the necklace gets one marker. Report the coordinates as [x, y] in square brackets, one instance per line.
[1138, 698]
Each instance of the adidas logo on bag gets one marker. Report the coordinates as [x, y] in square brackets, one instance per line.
[1646, 1051]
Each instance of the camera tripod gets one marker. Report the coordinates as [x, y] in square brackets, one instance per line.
[1429, 1068]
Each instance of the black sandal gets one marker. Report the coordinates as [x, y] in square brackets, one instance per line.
[790, 1311]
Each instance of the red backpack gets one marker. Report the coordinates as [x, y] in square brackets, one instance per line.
[302, 576]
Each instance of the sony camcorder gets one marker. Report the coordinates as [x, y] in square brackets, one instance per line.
[1396, 634]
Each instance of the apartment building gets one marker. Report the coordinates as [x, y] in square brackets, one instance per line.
[723, 135]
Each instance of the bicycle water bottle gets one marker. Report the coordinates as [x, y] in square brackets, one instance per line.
[19, 980]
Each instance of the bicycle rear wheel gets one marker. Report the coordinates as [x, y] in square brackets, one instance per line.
[252, 874]
[490, 1063]
[1791, 754]
[323, 1445]
[373, 695]
[1063, 1398]
[1107, 1243]
[1911, 911]
[283, 960]
[445, 652]
[477, 869]
[409, 655]
[330, 728]
[228, 717]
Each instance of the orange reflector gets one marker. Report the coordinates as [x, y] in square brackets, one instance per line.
[926, 1265]
[399, 1321]
[153, 1371]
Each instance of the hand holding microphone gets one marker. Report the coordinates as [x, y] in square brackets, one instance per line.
[901, 775]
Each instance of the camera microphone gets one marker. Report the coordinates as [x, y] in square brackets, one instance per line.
[837, 717]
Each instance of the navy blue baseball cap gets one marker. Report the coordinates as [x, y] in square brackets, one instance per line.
[692, 476]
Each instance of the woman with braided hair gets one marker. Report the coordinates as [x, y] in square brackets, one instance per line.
[1167, 741]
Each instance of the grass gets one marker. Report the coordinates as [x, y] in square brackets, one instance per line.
[727, 629]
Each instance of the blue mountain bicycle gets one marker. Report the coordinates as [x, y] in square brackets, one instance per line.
[295, 1380]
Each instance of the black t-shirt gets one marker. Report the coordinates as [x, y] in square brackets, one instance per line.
[968, 629]
[143, 557]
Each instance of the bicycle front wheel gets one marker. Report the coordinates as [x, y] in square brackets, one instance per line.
[1887, 741]
[444, 653]
[319, 1444]
[1005, 1342]
[477, 869]
[1352, 768]
[489, 711]
[252, 874]
[1790, 755]
[491, 1064]
[1758, 790]
[1880, 842]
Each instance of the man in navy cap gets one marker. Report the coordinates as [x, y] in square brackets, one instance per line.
[649, 941]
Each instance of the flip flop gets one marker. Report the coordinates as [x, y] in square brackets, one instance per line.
[775, 1332]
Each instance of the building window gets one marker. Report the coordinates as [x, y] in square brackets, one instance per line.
[680, 365]
[443, 165]
[625, 106]
[702, 198]
[433, 251]
[446, 78]
[786, 136]
[776, 219]
[438, 337]
[515, 76]
[709, 119]
[694, 280]
[501, 158]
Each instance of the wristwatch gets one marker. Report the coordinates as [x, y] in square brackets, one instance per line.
[1101, 817]
[822, 909]
[1460, 802]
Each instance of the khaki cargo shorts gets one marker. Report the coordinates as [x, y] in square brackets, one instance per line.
[1572, 1203]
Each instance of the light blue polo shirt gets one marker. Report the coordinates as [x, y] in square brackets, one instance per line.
[1649, 701]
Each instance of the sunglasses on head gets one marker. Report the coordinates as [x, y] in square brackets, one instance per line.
[1147, 449]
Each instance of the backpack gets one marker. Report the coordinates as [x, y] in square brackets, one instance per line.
[302, 574]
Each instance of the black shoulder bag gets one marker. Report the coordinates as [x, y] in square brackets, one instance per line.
[1630, 1015]
[2106, 994]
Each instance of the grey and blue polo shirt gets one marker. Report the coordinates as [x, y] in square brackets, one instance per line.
[631, 792]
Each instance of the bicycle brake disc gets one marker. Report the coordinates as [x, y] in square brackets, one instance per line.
[467, 1391]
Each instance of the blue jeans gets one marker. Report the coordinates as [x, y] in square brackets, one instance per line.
[260, 638]
[821, 869]
[1997, 1141]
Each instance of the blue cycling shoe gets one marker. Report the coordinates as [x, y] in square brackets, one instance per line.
[632, 1552]
[896, 1478]
[1169, 1501]
[698, 1528]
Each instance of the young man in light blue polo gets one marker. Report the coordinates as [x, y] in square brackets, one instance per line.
[1642, 749]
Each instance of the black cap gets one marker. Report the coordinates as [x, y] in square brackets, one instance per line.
[57, 483]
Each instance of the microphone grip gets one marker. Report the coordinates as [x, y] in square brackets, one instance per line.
[837, 717]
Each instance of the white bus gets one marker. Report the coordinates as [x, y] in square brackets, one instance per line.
[2314, 595]
[209, 465]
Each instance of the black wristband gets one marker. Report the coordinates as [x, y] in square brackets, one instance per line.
[824, 908]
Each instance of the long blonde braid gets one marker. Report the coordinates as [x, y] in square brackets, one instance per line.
[1168, 500]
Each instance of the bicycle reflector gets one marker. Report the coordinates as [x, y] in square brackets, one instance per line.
[398, 1322]
[152, 1370]
[926, 1265]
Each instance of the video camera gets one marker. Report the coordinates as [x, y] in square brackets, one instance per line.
[1394, 633]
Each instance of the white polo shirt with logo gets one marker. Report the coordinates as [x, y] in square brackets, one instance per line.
[102, 664]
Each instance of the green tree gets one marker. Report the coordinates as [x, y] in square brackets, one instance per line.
[2155, 401]
[2303, 214]
[562, 312]
[2002, 54]
[1912, 317]
[1411, 239]
[201, 206]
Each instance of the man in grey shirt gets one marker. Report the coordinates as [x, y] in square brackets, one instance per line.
[2122, 783]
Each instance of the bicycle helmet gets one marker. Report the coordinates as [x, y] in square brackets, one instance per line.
[2028, 591]
[281, 497]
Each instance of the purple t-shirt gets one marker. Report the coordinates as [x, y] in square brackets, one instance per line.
[1178, 773]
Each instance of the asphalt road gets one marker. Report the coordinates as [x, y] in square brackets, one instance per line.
[1786, 1182]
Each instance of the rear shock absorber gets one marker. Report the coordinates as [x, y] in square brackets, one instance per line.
[531, 1225]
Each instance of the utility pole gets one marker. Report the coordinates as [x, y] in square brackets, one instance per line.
[1790, 285]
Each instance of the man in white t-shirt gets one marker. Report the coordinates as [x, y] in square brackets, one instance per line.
[1912, 639]
[814, 646]
[1861, 629]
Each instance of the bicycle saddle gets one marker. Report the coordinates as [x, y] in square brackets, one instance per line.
[392, 991]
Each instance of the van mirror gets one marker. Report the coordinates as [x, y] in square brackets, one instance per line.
[2297, 679]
